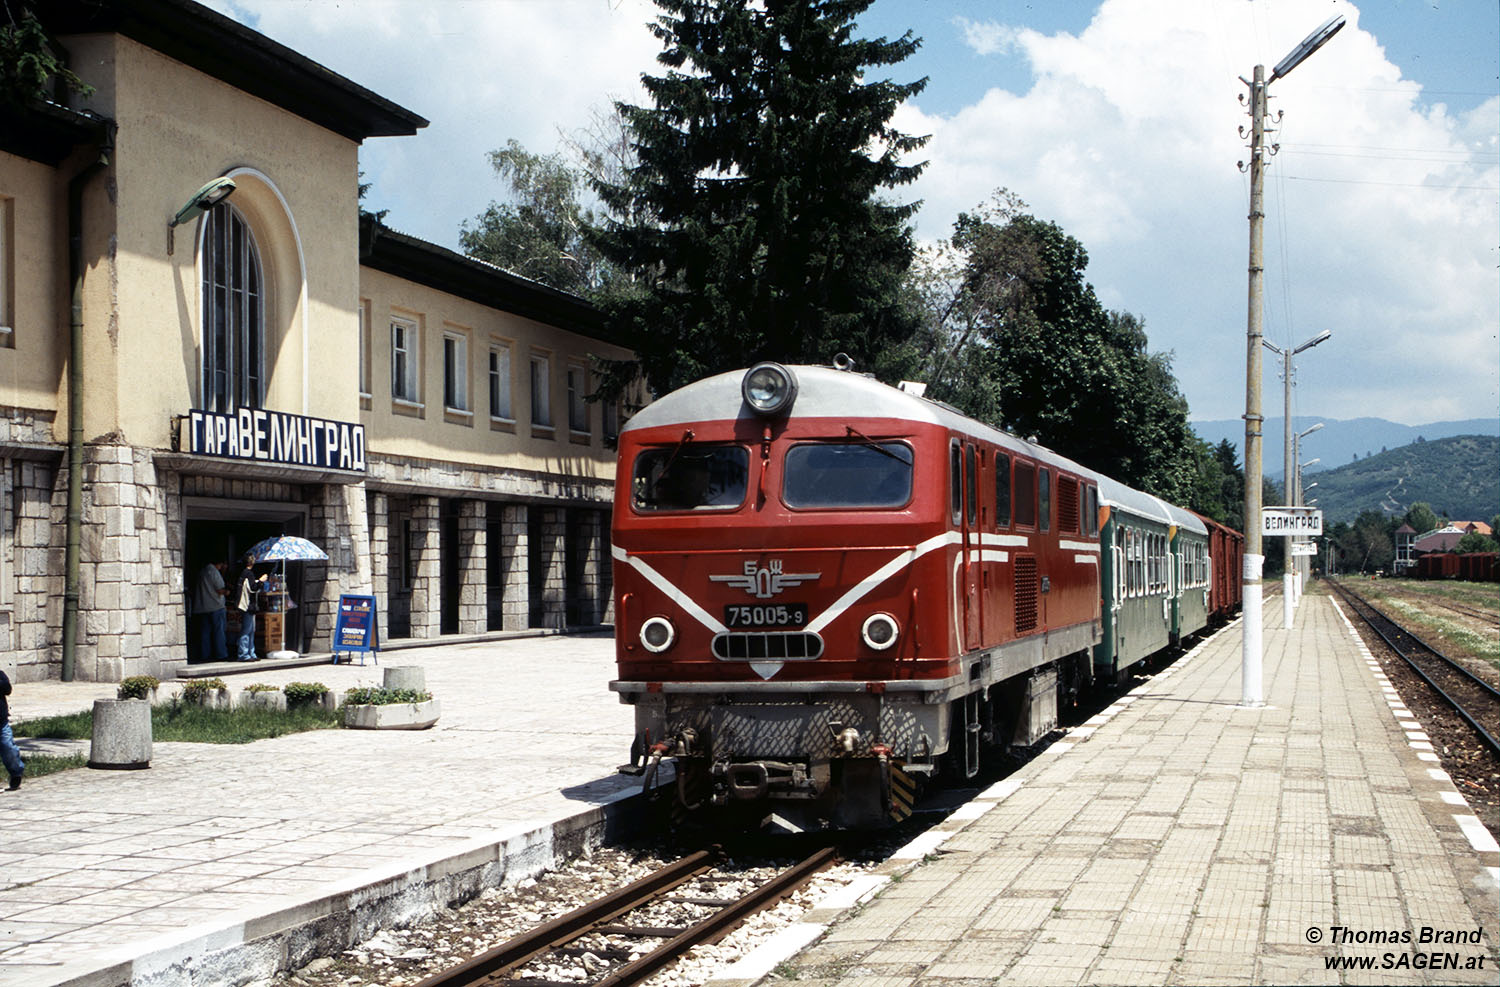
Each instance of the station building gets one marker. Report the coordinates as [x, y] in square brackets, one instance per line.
[219, 365]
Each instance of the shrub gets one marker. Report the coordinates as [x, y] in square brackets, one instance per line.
[262, 687]
[137, 687]
[374, 696]
[198, 690]
[304, 693]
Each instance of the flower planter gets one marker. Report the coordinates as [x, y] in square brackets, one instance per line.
[263, 700]
[212, 699]
[392, 716]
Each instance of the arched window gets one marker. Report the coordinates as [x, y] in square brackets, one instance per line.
[233, 313]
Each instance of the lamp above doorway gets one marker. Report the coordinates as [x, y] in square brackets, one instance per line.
[202, 201]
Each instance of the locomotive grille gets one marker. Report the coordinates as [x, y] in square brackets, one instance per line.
[1025, 594]
[1067, 505]
[767, 646]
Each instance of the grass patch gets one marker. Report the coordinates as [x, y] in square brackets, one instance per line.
[46, 764]
[189, 723]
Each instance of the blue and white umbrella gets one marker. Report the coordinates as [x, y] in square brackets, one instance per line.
[286, 548]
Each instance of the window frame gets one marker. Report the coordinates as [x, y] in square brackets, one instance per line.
[406, 377]
[7, 272]
[238, 352]
[579, 424]
[456, 372]
[1024, 494]
[541, 397]
[500, 383]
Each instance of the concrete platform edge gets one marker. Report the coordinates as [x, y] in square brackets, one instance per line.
[253, 945]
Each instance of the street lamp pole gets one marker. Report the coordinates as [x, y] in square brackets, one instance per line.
[1291, 565]
[1251, 691]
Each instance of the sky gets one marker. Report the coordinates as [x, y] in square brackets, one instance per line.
[1118, 120]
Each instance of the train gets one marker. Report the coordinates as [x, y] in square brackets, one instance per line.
[830, 592]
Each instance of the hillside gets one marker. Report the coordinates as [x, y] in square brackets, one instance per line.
[1459, 477]
[1338, 441]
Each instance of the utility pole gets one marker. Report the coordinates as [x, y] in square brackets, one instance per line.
[1251, 692]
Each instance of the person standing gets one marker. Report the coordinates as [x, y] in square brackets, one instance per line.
[208, 604]
[246, 596]
[9, 752]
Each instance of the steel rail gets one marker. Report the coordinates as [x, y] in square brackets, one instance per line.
[496, 962]
[1485, 736]
[495, 965]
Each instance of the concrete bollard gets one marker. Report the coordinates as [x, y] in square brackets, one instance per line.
[412, 677]
[122, 734]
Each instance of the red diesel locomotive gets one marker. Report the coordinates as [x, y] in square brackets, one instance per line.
[825, 586]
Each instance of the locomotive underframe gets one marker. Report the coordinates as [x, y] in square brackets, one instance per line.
[820, 752]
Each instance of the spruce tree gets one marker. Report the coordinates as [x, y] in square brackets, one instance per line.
[759, 230]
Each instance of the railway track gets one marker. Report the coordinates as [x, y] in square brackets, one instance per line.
[1473, 699]
[616, 939]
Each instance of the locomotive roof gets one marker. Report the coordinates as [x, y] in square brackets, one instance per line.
[823, 392]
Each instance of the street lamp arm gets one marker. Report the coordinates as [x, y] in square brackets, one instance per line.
[1309, 44]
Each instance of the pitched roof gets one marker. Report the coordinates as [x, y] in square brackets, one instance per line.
[227, 50]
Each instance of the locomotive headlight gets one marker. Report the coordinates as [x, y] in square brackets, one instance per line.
[880, 631]
[657, 634]
[769, 389]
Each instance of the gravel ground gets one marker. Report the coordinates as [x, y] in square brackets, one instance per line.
[1475, 770]
[397, 957]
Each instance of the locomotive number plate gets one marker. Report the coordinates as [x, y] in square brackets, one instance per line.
[766, 615]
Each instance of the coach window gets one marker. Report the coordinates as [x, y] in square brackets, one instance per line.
[693, 478]
[1002, 490]
[1044, 483]
[1091, 512]
[824, 475]
[956, 479]
[1025, 495]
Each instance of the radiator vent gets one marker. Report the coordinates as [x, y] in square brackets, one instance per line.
[767, 646]
[1025, 594]
[1067, 505]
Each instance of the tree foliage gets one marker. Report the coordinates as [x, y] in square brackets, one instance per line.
[1367, 545]
[540, 234]
[30, 62]
[1031, 348]
[752, 223]
[1421, 517]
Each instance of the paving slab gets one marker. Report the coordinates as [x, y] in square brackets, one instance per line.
[1182, 838]
[220, 862]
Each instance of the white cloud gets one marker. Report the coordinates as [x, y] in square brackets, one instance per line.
[1381, 210]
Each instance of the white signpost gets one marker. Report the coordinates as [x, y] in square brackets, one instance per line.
[1290, 522]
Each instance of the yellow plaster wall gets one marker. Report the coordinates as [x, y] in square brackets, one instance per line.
[430, 431]
[297, 186]
[33, 208]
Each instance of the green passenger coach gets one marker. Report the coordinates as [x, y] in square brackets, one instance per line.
[1154, 581]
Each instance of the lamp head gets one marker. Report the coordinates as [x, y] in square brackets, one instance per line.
[203, 200]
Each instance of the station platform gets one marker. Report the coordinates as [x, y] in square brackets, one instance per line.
[217, 861]
[1181, 838]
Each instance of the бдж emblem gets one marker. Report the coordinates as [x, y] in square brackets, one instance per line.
[764, 583]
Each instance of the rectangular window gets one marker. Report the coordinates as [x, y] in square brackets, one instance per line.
[7, 273]
[611, 421]
[404, 361]
[499, 377]
[971, 485]
[364, 348]
[1002, 490]
[578, 409]
[455, 371]
[1025, 494]
[541, 391]
[956, 479]
[1045, 483]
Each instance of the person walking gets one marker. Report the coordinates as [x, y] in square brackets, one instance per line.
[246, 597]
[9, 752]
[208, 604]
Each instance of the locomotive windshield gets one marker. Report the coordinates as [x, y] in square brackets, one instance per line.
[690, 478]
[848, 475]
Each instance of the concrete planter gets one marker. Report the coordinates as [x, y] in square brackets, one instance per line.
[263, 700]
[412, 677]
[394, 716]
[122, 735]
[212, 699]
